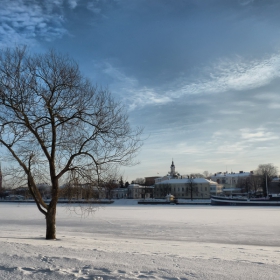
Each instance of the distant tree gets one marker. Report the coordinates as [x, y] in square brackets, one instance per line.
[251, 184]
[139, 181]
[191, 186]
[243, 184]
[162, 190]
[3, 193]
[206, 174]
[198, 175]
[255, 183]
[109, 186]
[126, 184]
[267, 172]
[121, 182]
[54, 121]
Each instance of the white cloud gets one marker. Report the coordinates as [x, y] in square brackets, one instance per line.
[92, 6]
[237, 74]
[245, 2]
[268, 96]
[135, 95]
[188, 148]
[230, 112]
[118, 76]
[272, 99]
[258, 135]
[245, 140]
[274, 106]
[22, 22]
[224, 76]
[73, 3]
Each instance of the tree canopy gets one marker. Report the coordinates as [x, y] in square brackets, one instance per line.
[54, 121]
[266, 172]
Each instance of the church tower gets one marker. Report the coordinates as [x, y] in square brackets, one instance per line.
[172, 169]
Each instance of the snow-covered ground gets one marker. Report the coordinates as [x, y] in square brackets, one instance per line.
[129, 241]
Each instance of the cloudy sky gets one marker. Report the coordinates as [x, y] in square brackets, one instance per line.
[201, 76]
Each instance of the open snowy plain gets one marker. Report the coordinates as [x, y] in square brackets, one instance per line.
[129, 241]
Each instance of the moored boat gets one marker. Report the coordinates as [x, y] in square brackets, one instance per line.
[271, 200]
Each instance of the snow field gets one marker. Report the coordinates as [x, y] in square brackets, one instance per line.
[129, 241]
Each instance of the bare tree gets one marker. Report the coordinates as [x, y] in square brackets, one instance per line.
[267, 172]
[139, 181]
[121, 183]
[162, 190]
[198, 175]
[251, 184]
[255, 182]
[206, 174]
[191, 186]
[54, 121]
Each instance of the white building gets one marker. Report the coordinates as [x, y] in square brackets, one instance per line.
[229, 181]
[137, 192]
[183, 187]
[119, 193]
[170, 175]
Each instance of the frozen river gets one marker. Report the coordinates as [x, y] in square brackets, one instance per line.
[129, 241]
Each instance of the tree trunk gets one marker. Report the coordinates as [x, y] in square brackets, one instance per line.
[51, 223]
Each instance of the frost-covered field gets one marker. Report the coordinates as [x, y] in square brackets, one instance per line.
[129, 241]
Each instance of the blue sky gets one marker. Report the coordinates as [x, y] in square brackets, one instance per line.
[201, 77]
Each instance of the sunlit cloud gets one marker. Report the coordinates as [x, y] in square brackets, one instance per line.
[203, 82]
[243, 141]
[223, 76]
[235, 74]
[258, 135]
[135, 95]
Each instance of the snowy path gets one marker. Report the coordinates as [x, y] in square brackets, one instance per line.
[142, 242]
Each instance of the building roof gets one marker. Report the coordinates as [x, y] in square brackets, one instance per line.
[211, 182]
[232, 174]
[136, 186]
[184, 181]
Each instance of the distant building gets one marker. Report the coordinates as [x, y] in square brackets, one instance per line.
[230, 180]
[183, 186]
[119, 193]
[140, 192]
[172, 174]
[150, 181]
[274, 186]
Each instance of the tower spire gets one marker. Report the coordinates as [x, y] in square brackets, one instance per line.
[172, 168]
